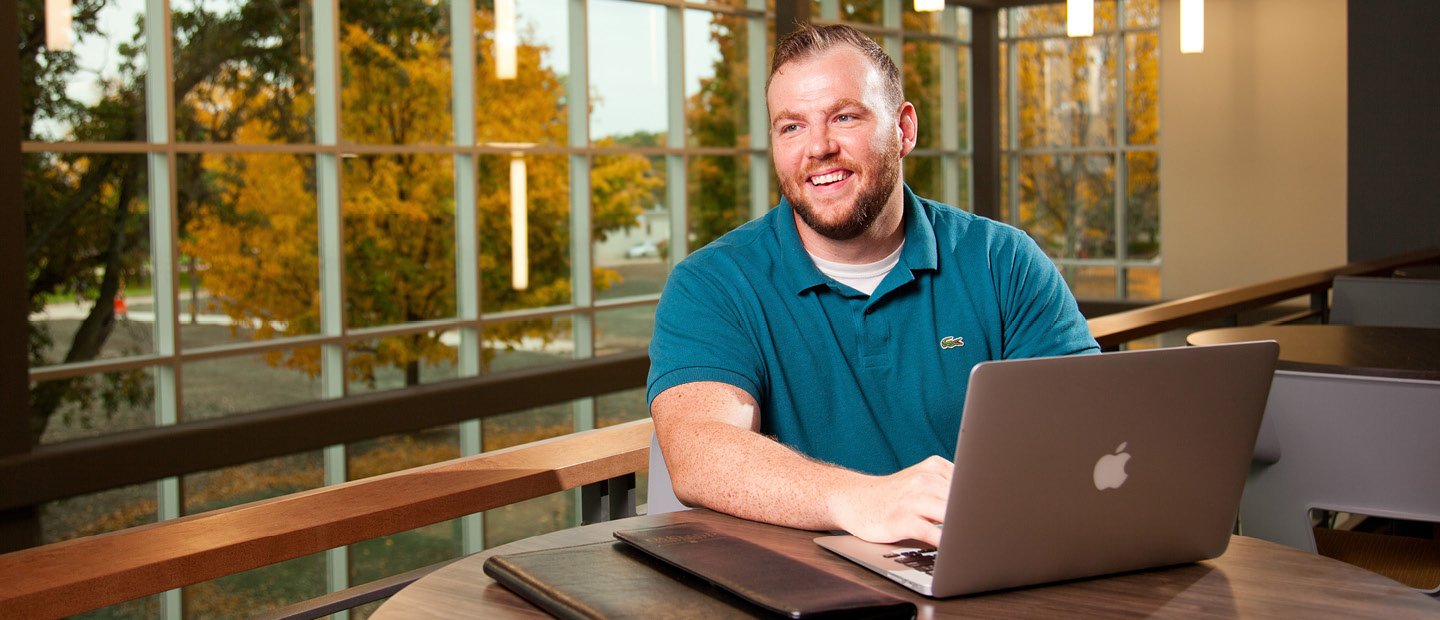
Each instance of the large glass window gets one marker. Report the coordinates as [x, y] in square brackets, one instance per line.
[1079, 136]
[426, 190]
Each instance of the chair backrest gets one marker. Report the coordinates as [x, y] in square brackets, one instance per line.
[1364, 445]
[1396, 302]
[660, 495]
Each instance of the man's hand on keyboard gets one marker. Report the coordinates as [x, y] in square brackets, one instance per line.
[907, 504]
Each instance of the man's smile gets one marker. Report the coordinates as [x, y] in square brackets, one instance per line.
[830, 177]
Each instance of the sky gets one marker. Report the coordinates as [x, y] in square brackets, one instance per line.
[628, 63]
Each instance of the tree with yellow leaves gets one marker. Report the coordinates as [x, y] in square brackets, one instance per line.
[1066, 93]
[398, 209]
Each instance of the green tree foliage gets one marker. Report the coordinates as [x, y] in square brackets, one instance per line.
[717, 115]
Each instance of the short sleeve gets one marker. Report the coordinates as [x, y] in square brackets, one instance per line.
[1040, 315]
[702, 333]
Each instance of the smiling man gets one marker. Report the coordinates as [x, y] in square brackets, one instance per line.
[809, 368]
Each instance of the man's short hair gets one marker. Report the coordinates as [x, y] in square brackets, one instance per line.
[809, 41]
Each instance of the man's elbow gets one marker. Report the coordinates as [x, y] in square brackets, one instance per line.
[686, 491]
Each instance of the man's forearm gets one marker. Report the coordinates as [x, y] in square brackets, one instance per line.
[718, 459]
[740, 472]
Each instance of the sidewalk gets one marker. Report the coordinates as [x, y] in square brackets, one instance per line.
[77, 311]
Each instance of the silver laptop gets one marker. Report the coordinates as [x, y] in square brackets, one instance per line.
[1071, 467]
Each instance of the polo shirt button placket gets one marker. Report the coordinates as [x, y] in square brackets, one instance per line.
[876, 338]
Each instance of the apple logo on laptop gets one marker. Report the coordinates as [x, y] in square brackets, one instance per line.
[1110, 469]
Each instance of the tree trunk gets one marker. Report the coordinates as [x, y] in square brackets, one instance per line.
[97, 326]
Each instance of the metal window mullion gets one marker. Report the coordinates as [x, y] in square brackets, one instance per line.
[1122, 165]
[577, 84]
[676, 180]
[228, 148]
[829, 9]
[894, 41]
[713, 7]
[1081, 150]
[1100, 262]
[160, 168]
[1122, 207]
[676, 201]
[582, 293]
[1012, 140]
[467, 242]
[1099, 32]
[968, 152]
[759, 117]
[467, 247]
[949, 108]
[332, 293]
[577, 97]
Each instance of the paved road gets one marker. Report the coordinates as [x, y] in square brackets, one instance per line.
[79, 310]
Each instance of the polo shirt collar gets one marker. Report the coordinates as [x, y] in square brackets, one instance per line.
[920, 252]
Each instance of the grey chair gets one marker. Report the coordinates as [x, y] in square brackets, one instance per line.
[1343, 443]
[1395, 302]
[660, 495]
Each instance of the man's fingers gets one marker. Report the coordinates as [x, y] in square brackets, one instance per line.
[925, 532]
[937, 464]
[937, 459]
[907, 504]
[932, 509]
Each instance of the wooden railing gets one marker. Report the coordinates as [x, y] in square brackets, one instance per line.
[86, 573]
[1113, 330]
[93, 572]
[86, 465]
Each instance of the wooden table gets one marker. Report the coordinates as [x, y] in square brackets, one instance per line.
[1252, 579]
[1424, 272]
[1351, 431]
[1396, 352]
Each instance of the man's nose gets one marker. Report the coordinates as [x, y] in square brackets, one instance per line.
[822, 144]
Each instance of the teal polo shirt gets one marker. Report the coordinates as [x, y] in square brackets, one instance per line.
[876, 382]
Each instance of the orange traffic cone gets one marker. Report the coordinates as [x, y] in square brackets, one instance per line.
[120, 309]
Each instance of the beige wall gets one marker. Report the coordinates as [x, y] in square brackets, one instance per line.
[1252, 144]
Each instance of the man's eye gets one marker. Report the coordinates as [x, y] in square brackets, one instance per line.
[845, 118]
[789, 128]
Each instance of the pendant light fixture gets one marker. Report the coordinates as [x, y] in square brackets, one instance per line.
[57, 25]
[1080, 18]
[519, 225]
[1192, 26]
[506, 39]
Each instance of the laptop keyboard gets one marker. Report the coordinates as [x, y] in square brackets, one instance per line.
[922, 560]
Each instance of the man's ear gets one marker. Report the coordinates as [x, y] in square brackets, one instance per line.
[908, 124]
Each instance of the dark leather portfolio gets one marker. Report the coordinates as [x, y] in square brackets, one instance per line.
[776, 582]
[611, 580]
[615, 580]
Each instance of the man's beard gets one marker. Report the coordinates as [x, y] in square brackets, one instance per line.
[868, 204]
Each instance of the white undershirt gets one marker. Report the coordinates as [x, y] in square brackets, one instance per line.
[863, 277]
